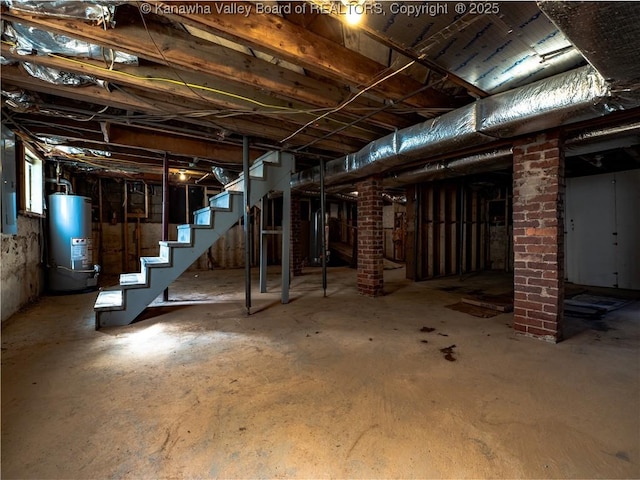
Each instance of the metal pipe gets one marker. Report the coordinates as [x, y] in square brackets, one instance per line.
[165, 209]
[417, 198]
[125, 227]
[100, 222]
[461, 212]
[323, 212]
[247, 230]
[599, 133]
[263, 245]
[62, 182]
[488, 161]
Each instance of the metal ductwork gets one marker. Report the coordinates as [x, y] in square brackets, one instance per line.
[570, 97]
[501, 159]
[606, 33]
[482, 162]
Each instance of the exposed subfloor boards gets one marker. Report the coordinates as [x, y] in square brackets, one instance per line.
[344, 386]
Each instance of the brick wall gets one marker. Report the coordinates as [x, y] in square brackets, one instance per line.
[538, 236]
[296, 246]
[370, 237]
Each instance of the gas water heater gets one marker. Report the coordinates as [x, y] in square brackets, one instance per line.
[70, 265]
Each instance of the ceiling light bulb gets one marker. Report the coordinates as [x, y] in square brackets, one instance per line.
[353, 15]
[182, 176]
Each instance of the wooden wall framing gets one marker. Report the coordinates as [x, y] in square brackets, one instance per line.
[447, 230]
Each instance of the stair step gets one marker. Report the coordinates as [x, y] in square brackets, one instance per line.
[238, 185]
[223, 201]
[173, 244]
[109, 300]
[270, 157]
[203, 216]
[132, 280]
[257, 171]
[156, 261]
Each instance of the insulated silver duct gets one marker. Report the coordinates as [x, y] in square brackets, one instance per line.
[482, 162]
[224, 175]
[57, 77]
[606, 33]
[566, 98]
[100, 12]
[499, 159]
[28, 39]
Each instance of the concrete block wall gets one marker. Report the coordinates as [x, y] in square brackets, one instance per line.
[370, 237]
[538, 234]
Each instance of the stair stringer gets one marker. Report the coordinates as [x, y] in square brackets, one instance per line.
[210, 223]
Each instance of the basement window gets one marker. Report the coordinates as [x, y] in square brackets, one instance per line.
[33, 182]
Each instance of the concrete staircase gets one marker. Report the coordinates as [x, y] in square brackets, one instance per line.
[122, 304]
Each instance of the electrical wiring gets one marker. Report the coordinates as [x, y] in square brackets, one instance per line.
[176, 82]
[274, 109]
[277, 109]
[409, 95]
[352, 99]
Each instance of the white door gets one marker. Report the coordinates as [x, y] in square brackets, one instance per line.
[602, 225]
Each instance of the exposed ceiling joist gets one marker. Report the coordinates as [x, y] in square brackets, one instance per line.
[283, 39]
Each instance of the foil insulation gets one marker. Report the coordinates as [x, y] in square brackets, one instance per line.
[563, 99]
[223, 175]
[101, 13]
[606, 33]
[448, 132]
[19, 100]
[70, 152]
[57, 77]
[30, 39]
[495, 46]
[573, 96]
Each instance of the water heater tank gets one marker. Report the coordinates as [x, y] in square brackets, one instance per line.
[70, 265]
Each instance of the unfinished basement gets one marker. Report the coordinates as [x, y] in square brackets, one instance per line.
[320, 239]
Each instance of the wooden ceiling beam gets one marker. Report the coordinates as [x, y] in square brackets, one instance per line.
[275, 35]
[165, 80]
[191, 53]
[165, 103]
[12, 74]
[177, 48]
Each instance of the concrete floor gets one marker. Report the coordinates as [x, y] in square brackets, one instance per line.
[343, 386]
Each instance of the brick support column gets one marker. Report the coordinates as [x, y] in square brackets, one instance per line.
[296, 248]
[370, 237]
[538, 236]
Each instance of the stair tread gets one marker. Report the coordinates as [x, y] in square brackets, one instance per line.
[154, 261]
[192, 225]
[109, 299]
[173, 243]
[131, 279]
